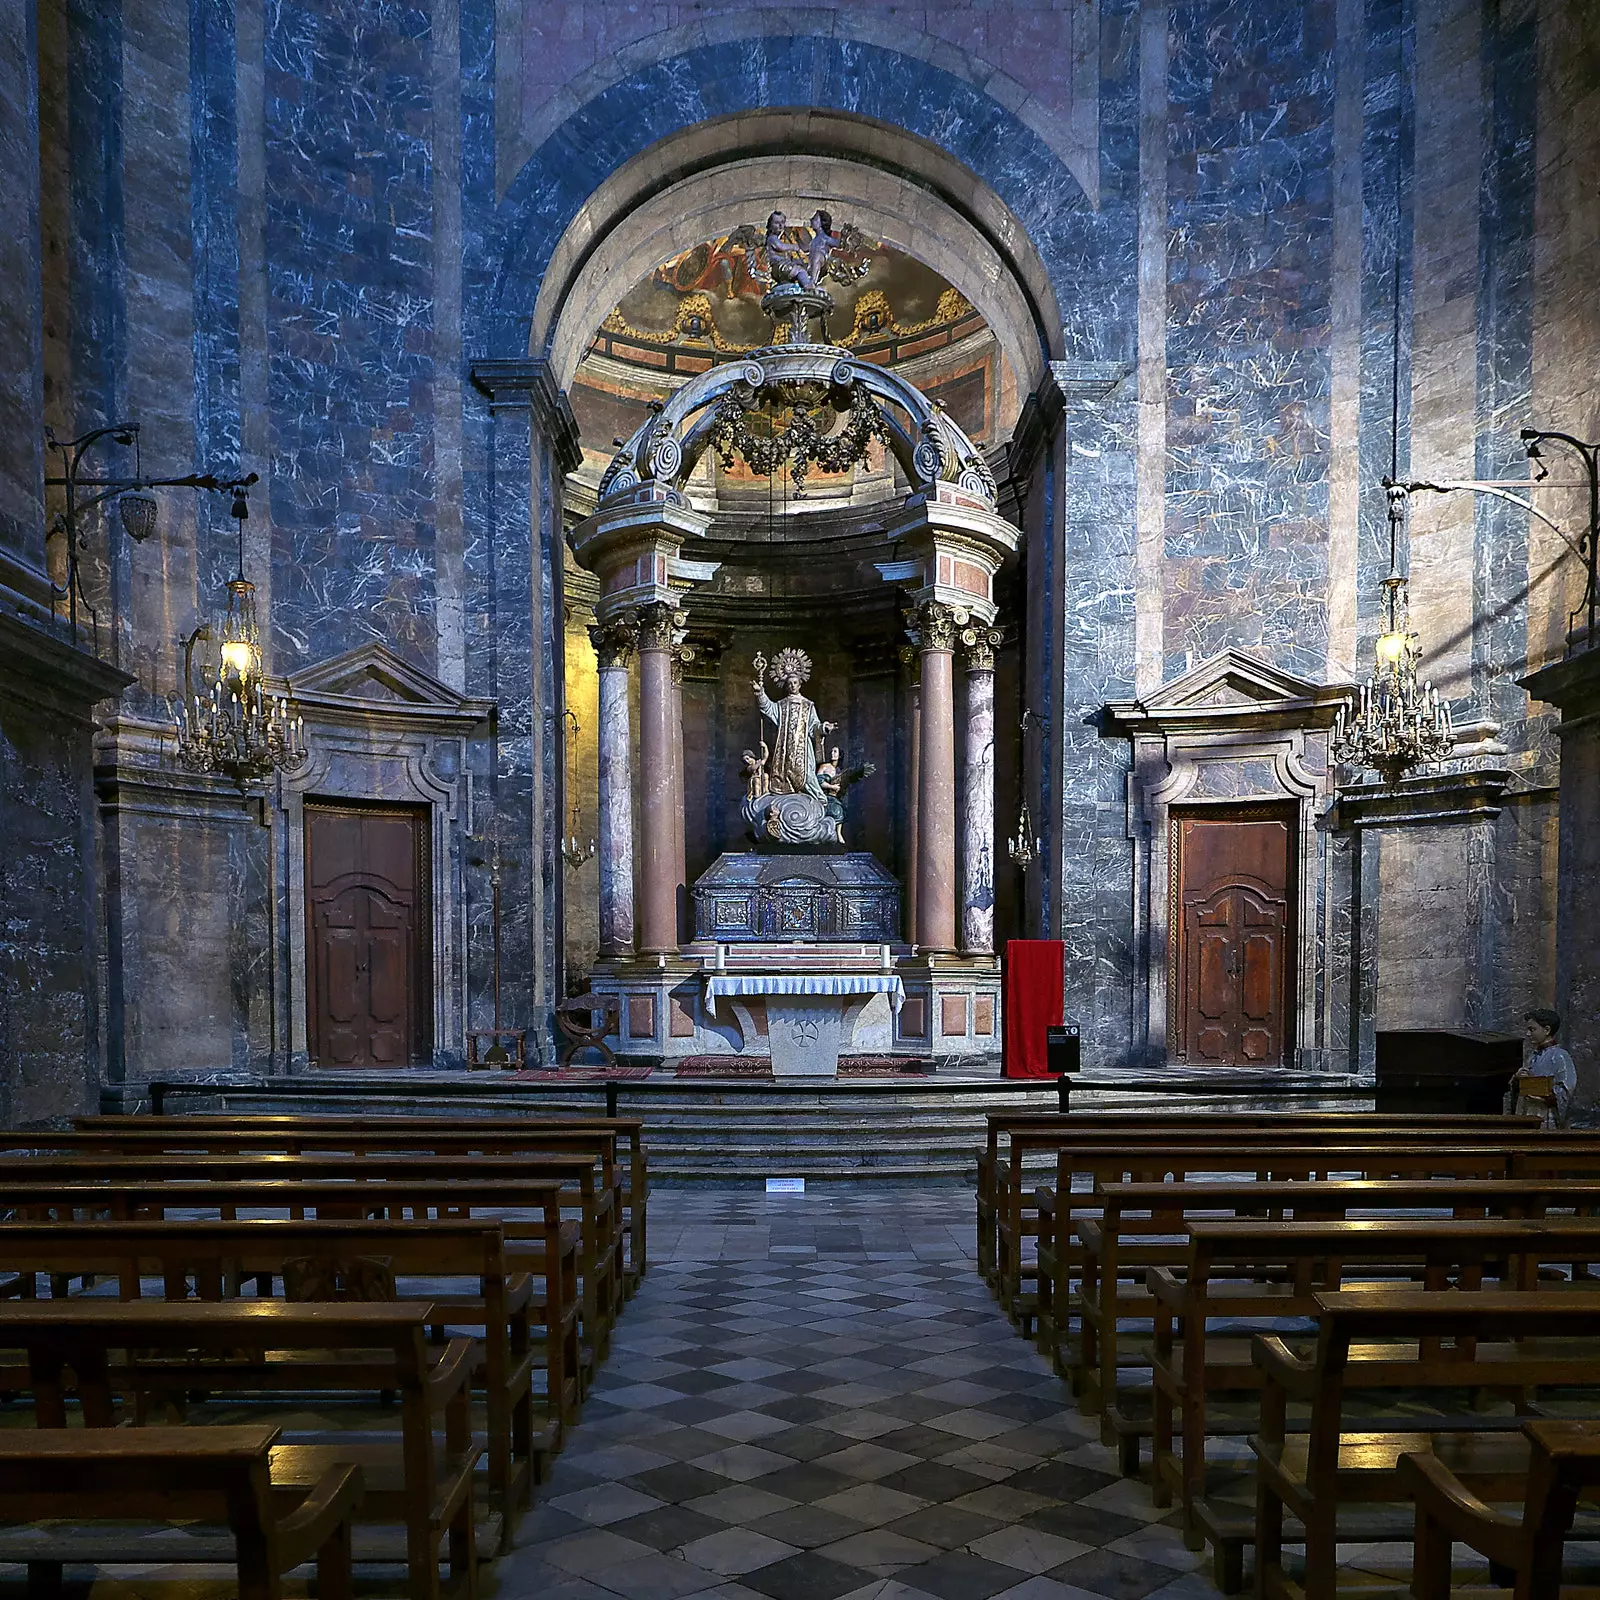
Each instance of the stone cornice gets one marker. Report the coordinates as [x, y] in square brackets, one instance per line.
[513, 383]
[1572, 685]
[1067, 383]
[1422, 801]
[39, 668]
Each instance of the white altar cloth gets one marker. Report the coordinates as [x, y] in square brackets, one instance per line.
[731, 983]
[809, 1015]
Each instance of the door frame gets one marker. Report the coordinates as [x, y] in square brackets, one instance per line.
[419, 815]
[1284, 811]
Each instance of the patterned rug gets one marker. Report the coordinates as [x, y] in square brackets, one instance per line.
[578, 1074]
[761, 1067]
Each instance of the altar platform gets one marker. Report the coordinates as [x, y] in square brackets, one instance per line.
[706, 1129]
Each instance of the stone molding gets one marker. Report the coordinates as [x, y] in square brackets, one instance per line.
[935, 626]
[39, 669]
[1233, 731]
[379, 728]
[1571, 685]
[614, 641]
[658, 626]
[979, 645]
[1067, 383]
[1422, 800]
[510, 384]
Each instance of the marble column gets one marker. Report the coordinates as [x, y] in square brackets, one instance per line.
[614, 641]
[977, 809]
[937, 626]
[913, 664]
[660, 739]
[680, 867]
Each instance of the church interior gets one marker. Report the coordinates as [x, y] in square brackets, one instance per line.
[799, 803]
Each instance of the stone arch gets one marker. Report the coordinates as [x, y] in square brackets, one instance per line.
[583, 284]
[713, 104]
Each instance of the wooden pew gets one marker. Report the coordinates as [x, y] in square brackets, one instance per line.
[1406, 1340]
[540, 1245]
[629, 1132]
[208, 1259]
[994, 1160]
[422, 1481]
[1142, 1225]
[1081, 1167]
[1250, 1271]
[72, 1476]
[584, 1191]
[1564, 1464]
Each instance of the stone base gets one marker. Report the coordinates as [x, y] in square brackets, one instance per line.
[951, 1008]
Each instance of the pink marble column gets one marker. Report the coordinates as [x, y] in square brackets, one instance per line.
[977, 811]
[913, 664]
[680, 869]
[936, 789]
[661, 825]
[614, 641]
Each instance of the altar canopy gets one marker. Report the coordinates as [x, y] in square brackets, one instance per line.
[1033, 1001]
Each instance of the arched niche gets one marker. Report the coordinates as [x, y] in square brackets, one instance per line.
[709, 179]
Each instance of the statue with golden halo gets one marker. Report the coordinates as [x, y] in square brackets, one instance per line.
[794, 794]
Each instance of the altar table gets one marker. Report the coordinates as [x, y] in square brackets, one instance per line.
[809, 1015]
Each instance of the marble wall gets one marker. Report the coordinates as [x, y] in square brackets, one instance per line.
[310, 240]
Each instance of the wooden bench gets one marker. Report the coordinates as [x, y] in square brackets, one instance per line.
[423, 1480]
[1411, 1341]
[212, 1259]
[1080, 1171]
[995, 1159]
[1251, 1273]
[72, 1476]
[1247, 1272]
[629, 1132]
[583, 1192]
[1564, 1465]
[537, 1242]
[1142, 1225]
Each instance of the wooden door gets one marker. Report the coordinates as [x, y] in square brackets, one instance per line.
[1230, 999]
[369, 958]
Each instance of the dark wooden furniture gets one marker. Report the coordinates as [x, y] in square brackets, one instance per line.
[1564, 1465]
[422, 1480]
[70, 1477]
[585, 1020]
[369, 962]
[1436, 1069]
[1407, 1341]
[1233, 912]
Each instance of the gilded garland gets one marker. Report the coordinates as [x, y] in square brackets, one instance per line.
[803, 441]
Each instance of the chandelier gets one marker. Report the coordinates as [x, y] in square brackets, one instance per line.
[1397, 723]
[239, 729]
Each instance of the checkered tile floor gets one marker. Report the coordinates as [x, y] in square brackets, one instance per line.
[813, 1397]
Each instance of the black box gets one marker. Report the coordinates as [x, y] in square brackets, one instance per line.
[1061, 1050]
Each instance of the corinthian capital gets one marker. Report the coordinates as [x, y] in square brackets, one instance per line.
[936, 626]
[614, 640]
[660, 626]
[979, 645]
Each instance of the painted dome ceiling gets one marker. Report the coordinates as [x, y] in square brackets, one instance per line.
[703, 307]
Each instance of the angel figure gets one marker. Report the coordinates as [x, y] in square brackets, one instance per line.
[787, 262]
[793, 764]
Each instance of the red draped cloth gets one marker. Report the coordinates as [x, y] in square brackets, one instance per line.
[1032, 1002]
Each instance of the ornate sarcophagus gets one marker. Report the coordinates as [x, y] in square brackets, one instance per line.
[750, 898]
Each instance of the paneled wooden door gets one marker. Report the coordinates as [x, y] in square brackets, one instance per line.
[1230, 999]
[369, 958]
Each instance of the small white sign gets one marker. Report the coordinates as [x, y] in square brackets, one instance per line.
[786, 1185]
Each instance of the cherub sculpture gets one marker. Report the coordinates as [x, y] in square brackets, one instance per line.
[790, 261]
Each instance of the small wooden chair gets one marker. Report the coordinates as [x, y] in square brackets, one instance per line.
[576, 1018]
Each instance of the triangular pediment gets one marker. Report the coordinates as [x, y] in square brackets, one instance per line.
[1232, 679]
[1232, 688]
[377, 677]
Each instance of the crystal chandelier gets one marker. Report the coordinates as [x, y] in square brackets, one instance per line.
[1398, 723]
[238, 729]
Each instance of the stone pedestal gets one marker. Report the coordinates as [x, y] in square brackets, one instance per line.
[1573, 685]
